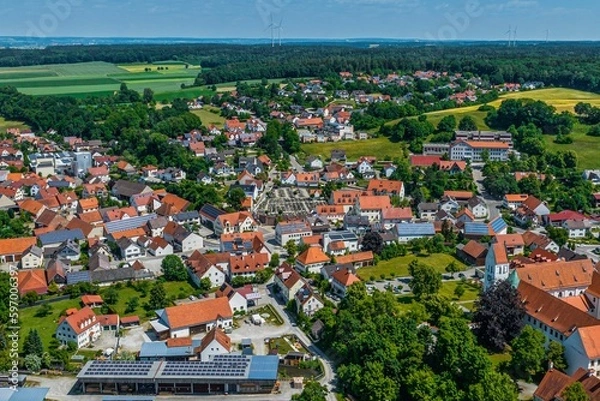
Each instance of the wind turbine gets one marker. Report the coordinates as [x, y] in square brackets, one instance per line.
[515, 37]
[271, 26]
[509, 33]
[279, 30]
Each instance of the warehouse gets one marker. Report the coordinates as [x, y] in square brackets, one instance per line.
[223, 374]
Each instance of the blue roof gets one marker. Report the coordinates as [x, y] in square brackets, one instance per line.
[415, 229]
[498, 224]
[23, 394]
[158, 349]
[78, 277]
[263, 367]
[476, 228]
[60, 236]
[128, 224]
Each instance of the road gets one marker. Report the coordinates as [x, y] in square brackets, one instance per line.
[493, 204]
[587, 250]
[295, 165]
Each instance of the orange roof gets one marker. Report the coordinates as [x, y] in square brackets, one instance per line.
[86, 228]
[92, 299]
[594, 287]
[580, 302]
[118, 214]
[312, 240]
[330, 209]
[388, 186]
[510, 240]
[96, 171]
[345, 197]
[459, 194]
[250, 263]
[14, 177]
[551, 276]
[474, 249]
[312, 255]
[216, 334]
[180, 204]
[16, 246]
[233, 218]
[372, 202]
[179, 342]
[197, 313]
[246, 236]
[500, 253]
[355, 257]
[108, 320]
[91, 217]
[31, 206]
[134, 232]
[345, 277]
[516, 197]
[32, 281]
[82, 320]
[590, 338]
[487, 145]
[307, 177]
[401, 213]
[89, 203]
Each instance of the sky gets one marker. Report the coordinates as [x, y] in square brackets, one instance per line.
[399, 19]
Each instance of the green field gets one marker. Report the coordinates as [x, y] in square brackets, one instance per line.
[378, 147]
[209, 118]
[407, 302]
[46, 326]
[4, 125]
[399, 266]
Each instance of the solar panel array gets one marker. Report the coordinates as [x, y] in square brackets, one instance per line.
[220, 366]
[119, 368]
[341, 236]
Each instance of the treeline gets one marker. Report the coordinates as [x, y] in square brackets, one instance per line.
[553, 64]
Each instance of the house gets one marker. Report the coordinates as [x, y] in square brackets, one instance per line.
[386, 187]
[577, 228]
[238, 222]
[237, 302]
[395, 215]
[560, 279]
[496, 265]
[208, 266]
[314, 163]
[558, 219]
[13, 249]
[33, 280]
[87, 205]
[341, 280]
[473, 253]
[81, 327]
[99, 261]
[311, 260]
[307, 302]
[124, 190]
[33, 258]
[130, 250]
[427, 211]
[181, 239]
[340, 242]
[188, 319]
[216, 342]
[306, 180]
[554, 383]
[477, 206]
[56, 272]
[366, 169]
[288, 281]
[292, 231]
[513, 201]
[371, 206]
[338, 155]
[209, 213]
[92, 301]
[68, 250]
[159, 247]
[513, 243]
[357, 260]
[410, 231]
[531, 212]
[247, 266]
[537, 241]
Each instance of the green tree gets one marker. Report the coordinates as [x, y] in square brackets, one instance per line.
[148, 96]
[205, 285]
[372, 241]
[459, 291]
[425, 279]
[173, 268]
[158, 297]
[33, 363]
[495, 386]
[556, 354]
[235, 198]
[312, 391]
[528, 353]
[452, 268]
[575, 392]
[447, 124]
[132, 304]
[291, 248]
[467, 123]
[111, 296]
[33, 344]
[274, 262]
[30, 298]
[45, 310]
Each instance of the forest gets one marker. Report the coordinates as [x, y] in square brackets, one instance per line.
[572, 65]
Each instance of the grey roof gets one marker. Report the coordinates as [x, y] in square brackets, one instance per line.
[415, 229]
[293, 227]
[427, 207]
[159, 350]
[78, 277]
[128, 188]
[159, 222]
[24, 394]
[128, 224]
[185, 216]
[341, 236]
[121, 274]
[60, 236]
[36, 250]
[99, 261]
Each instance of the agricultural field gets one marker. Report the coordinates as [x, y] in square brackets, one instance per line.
[210, 116]
[398, 267]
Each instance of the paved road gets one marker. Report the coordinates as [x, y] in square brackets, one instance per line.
[493, 204]
[587, 250]
[294, 162]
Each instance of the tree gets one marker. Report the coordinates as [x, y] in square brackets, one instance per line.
[274, 263]
[425, 279]
[235, 198]
[33, 363]
[372, 241]
[33, 344]
[528, 353]
[467, 123]
[575, 392]
[452, 268]
[111, 296]
[173, 268]
[555, 354]
[205, 285]
[291, 248]
[30, 298]
[447, 124]
[313, 391]
[132, 304]
[459, 291]
[148, 96]
[158, 297]
[499, 316]
[594, 130]
[45, 310]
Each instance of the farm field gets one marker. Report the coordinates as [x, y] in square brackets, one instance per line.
[379, 147]
[209, 118]
[399, 266]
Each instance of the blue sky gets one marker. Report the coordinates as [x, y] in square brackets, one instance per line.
[428, 19]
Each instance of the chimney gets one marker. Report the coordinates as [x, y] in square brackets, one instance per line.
[550, 365]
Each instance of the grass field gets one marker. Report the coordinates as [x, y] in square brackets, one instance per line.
[46, 326]
[406, 302]
[4, 124]
[399, 266]
[210, 118]
[381, 148]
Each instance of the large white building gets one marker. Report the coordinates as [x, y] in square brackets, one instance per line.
[474, 150]
[292, 231]
[81, 327]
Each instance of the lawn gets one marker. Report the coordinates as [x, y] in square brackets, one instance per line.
[399, 266]
[209, 118]
[586, 147]
[4, 124]
[381, 148]
[471, 291]
[46, 326]
[497, 359]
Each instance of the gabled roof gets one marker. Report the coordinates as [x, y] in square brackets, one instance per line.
[388, 186]
[372, 202]
[345, 277]
[312, 255]
[474, 249]
[195, 313]
[500, 255]
[81, 320]
[32, 281]
[552, 276]
[355, 257]
[216, 334]
[16, 246]
[250, 263]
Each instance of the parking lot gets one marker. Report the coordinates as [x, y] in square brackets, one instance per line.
[287, 201]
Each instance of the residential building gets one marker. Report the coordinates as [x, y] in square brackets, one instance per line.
[386, 187]
[514, 201]
[473, 253]
[371, 206]
[288, 281]
[13, 249]
[216, 342]
[238, 222]
[33, 258]
[307, 302]
[577, 228]
[247, 265]
[81, 327]
[340, 242]
[292, 231]
[555, 382]
[32, 280]
[311, 260]
[341, 280]
[237, 302]
[427, 211]
[208, 266]
[474, 150]
[478, 207]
